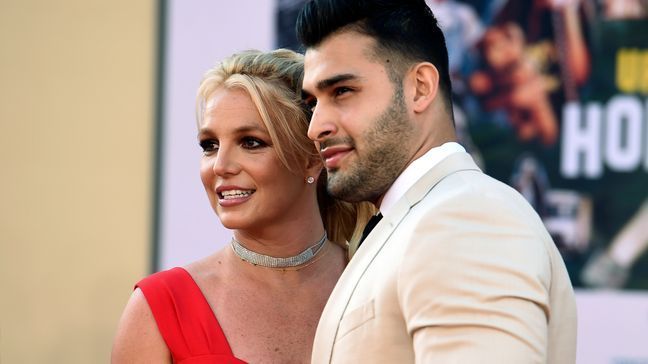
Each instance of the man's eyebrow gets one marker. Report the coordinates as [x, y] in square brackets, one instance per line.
[329, 82]
[326, 83]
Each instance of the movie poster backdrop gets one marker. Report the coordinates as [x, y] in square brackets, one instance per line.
[550, 97]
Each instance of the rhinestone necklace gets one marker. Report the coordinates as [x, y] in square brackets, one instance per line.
[274, 262]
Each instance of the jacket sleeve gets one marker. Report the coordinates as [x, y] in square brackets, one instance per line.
[474, 284]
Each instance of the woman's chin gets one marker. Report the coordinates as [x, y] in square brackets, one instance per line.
[232, 222]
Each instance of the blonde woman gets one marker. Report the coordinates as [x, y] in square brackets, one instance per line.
[258, 299]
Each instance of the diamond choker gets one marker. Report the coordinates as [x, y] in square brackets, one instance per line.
[274, 262]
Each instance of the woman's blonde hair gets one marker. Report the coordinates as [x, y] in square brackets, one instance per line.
[273, 81]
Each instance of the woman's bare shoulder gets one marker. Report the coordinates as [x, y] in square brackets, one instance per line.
[138, 339]
[209, 269]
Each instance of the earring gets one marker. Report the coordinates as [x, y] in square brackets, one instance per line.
[310, 179]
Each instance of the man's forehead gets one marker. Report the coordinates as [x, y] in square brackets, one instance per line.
[320, 72]
[338, 54]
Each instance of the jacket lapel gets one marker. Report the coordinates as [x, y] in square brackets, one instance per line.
[341, 295]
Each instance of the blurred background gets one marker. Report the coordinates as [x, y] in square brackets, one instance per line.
[99, 157]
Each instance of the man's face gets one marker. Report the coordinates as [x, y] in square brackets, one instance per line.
[360, 121]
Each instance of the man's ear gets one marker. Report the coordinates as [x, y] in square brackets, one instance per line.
[425, 78]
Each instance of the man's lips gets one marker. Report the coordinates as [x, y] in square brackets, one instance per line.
[333, 155]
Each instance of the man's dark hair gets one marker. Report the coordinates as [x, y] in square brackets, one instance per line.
[405, 31]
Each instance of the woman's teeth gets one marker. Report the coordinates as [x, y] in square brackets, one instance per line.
[231, 194]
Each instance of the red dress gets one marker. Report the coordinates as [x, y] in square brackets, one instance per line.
[185, 319]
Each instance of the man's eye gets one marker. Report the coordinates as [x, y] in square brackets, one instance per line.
[310, 104]
[341, 90]
[252, 143]
[209, 146]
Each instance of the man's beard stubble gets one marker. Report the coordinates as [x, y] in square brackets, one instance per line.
[383, 159]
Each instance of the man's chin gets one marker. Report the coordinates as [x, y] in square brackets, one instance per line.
[335, 184]
[342, 187]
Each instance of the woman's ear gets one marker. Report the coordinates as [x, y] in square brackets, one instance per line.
[425, 78]
[314, 168]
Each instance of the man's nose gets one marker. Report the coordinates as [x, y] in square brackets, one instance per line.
[322, 124]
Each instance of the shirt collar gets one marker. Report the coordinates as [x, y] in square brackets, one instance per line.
[415, 171]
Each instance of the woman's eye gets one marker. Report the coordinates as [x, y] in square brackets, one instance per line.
[252, 143]
[209, 146]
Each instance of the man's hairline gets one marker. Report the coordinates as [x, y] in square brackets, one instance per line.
[395, 70]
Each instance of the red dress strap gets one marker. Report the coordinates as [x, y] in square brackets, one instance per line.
[185, 319]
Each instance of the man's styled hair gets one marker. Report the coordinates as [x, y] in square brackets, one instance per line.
[405, 31]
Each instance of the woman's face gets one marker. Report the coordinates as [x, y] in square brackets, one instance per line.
[247, 185]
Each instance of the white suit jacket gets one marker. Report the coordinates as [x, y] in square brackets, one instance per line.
[461, 270]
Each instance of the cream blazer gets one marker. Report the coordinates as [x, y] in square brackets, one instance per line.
[461, 270]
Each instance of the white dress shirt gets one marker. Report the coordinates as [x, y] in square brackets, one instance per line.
[415, 171]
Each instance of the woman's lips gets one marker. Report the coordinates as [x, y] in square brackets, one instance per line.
[233, 201]
[232, 196]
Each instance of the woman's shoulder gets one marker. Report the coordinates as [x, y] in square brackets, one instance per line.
[208, 269]
[137, 338]
[183, 276]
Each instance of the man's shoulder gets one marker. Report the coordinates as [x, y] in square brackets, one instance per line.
[473, 195]
[473, 185]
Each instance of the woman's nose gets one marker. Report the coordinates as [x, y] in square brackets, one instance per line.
[225, 162]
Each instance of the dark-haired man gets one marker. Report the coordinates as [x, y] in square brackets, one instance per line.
[460, 269]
